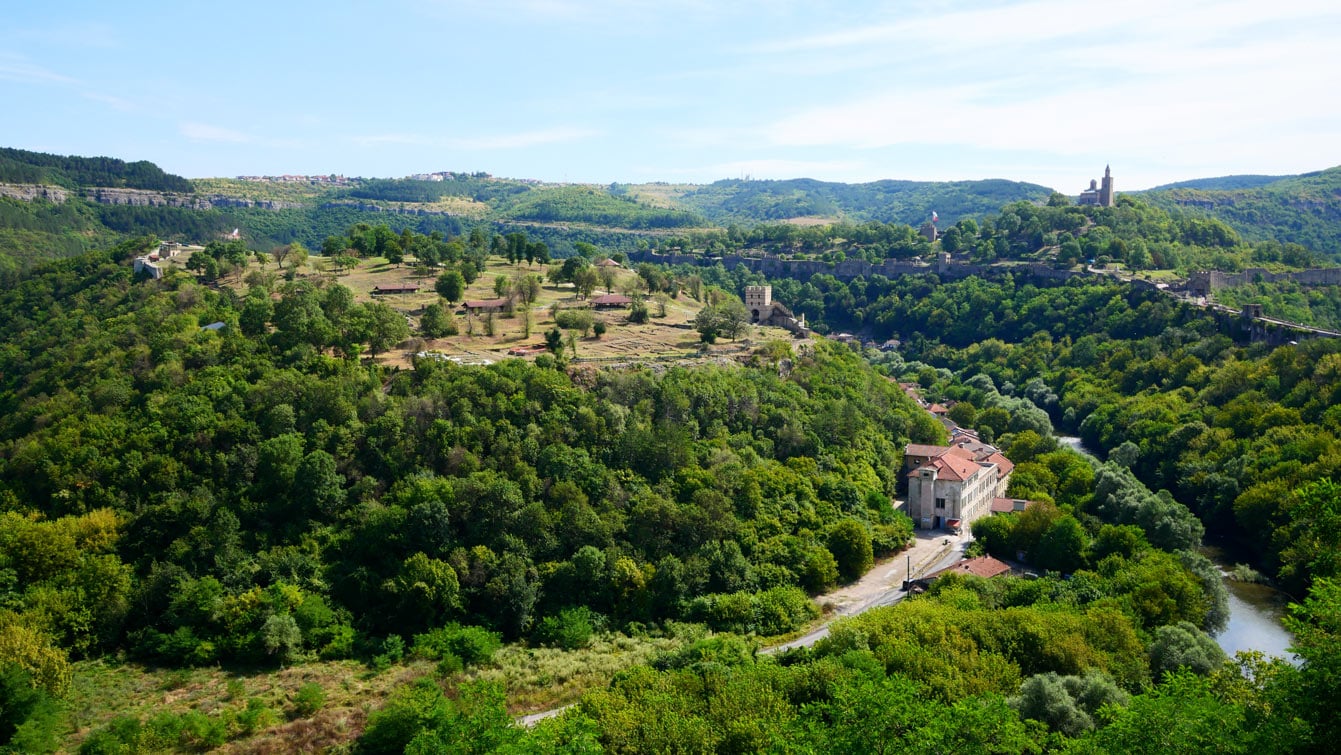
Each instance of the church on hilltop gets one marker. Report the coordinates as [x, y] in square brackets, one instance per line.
[1099, 194]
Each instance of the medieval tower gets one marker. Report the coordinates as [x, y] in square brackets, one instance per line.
[1100, 194]
[759, 302]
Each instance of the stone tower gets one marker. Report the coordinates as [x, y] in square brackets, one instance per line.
[1107, 198]
[759, 302]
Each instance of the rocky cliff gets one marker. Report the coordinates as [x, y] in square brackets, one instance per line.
[142, 198]
[138, 197]
[33, 192]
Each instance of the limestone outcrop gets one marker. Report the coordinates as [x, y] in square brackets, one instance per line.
[33, 192]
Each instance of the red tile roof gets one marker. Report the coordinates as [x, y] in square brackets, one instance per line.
[951, 467]
[982, 566]
[611, 300]
[918, 449]
[961, 452]
[1007, 505]
[1002, 463]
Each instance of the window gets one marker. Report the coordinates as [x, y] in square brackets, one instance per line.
[940, 503]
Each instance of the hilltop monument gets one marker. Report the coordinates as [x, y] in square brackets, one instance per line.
[1100, 194]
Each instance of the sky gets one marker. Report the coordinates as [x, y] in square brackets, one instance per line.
[1047, 91]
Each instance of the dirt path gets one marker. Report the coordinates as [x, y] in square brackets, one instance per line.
[882, 585]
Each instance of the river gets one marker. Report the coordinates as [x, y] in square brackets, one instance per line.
[1254, 610]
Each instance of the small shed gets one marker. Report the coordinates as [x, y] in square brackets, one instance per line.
[487, 305]
[395, 288]
[611, 301]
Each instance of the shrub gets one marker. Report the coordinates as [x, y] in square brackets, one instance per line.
[392, 652]
[309, 699]
[570, 629]
[777, 610]
[575, 319]
[713, 651]
[255, 717]
[1184, 645]
[470, 645]
[28, 714]
[1067, 704]
[412, 709]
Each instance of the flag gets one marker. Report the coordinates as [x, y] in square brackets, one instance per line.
[934, 216]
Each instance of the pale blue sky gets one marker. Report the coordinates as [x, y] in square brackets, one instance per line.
[683, 90]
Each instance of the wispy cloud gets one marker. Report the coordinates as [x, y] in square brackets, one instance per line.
[20, 69]
[77, 34]
[605, 13]
[1197, 83]
[116, 103]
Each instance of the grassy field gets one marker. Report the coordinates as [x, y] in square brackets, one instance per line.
[665, 337]
[258, 711]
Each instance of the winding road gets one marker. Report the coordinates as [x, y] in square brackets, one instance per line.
[882, 585]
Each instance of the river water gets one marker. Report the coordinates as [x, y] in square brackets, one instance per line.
[1254, 610]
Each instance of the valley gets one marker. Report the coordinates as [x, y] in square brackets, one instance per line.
[387, 481]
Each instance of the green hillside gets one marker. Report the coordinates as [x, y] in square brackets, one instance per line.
[24, 167]
[1222, 183]
[1304, 209]
[911, 202]
[259, 502]
[596, 206]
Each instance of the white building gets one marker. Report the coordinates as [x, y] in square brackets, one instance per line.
[953, 486]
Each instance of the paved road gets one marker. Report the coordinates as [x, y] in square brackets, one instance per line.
[881, 586]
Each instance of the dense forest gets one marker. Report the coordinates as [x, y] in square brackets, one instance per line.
[1303, 209]
[902, 202]
[201, 476]
[258, 495]
[1134, 235]
[1232, 430]
[24, 167]
[590, 205]
[1287, 300]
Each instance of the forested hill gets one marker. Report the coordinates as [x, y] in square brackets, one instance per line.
[23, 167]
[889, 201]
[201, 485]
[1303, 209]
[1222, 183]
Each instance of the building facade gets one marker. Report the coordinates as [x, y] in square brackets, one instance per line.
[951, 487]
